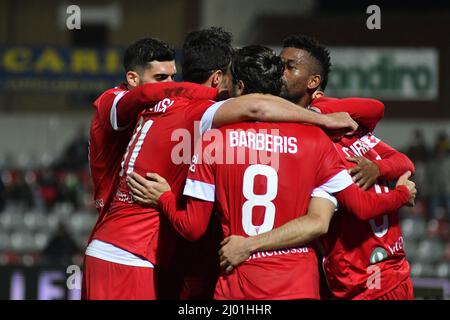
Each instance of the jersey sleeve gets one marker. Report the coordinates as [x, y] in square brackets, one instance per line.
[121, 108]
[366, 112]
[335, 184]
[331, 171]
[332, 176]
[105, 106]
[200, 182]
[393, 163]
[203, 111]
[368, 205]
[191, 222]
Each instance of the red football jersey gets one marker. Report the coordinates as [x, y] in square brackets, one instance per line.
[106, 147]
[161, 143]
[363, 259]
[116, 113]
[261, 177]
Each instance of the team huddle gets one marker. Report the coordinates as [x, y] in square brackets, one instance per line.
[243, 181]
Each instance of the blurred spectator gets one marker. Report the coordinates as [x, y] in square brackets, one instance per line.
[2, 193]
[61, 247]
[17, 191]
[47, 188]
[439, 175]
[418, 152]
[75, 156]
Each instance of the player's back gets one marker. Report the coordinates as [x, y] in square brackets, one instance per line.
[357, 250]
[159, 144]
[269, 181]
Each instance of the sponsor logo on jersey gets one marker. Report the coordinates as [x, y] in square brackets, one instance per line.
[162, 105]
[124, 197]
[397, 247]
[378, 254]
[265, 254]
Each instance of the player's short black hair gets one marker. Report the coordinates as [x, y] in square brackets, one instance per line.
[144, 51]
[259, 68]
[205, 51]
[316, 50]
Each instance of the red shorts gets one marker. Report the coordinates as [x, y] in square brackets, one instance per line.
[104, 280]
[404, 291]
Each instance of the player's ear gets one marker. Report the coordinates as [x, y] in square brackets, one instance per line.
[133, 79]
[314, 82]
[216, 78]
[240, 88]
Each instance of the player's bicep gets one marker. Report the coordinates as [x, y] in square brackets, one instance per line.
[210, 116]
[322, 210]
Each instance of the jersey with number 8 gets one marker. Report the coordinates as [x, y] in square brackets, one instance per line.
[257, 191]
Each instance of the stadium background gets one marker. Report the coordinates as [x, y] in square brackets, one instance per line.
[49, 76]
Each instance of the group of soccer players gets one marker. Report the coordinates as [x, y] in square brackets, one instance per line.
[177, 175]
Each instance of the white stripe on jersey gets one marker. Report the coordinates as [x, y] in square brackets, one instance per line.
[108, 252]
[337, 183]
[370, 140]
[113, 113]
[206, 121]
[319, 193]
[200, 190]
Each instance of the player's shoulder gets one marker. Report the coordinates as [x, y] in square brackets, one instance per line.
[304, 129]
[115, 91]
[109, 94]
[186, 101]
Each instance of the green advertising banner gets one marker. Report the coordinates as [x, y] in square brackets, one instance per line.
[385, 73]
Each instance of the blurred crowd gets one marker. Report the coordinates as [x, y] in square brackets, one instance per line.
[47, 212]
[426, 226]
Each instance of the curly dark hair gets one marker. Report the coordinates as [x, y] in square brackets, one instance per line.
[259, 68]
[316, 50]
[205, 51]
[144, 51]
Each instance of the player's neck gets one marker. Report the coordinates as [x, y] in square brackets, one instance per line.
[303, 101]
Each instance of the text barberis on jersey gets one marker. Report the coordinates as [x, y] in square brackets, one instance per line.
[233, 146]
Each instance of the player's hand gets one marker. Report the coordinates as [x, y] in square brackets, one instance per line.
[318, 94]
[147, 192]
[340, 120]
[404, 181]
[234, 251]
[365, 173]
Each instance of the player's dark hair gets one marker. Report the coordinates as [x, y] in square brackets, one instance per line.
[316, 50]
[144, 51]
[259, 68]
[204, 52]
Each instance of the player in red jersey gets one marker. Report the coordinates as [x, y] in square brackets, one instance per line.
[374, 248]
[254, 195]
[126, 240]
[150, 69]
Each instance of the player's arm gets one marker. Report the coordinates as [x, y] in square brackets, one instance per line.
[393, 163]
[190, 221]
[127, 105]
[299, 231]
[268, 108]
[366, 112]
[390, 167]
[368, 205]
[365, 205]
